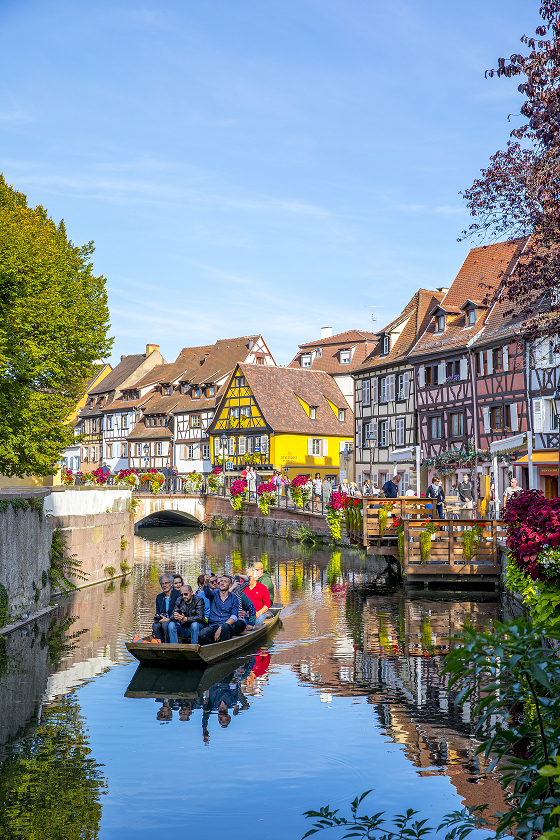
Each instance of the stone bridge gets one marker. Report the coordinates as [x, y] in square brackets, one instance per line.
[169, 509]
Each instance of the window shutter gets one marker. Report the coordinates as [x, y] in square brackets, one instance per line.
[463, 368]
[366, 388]
[538, 415]
[375, 391]
[505, 354]
[513, 417]
[359, 434]
[391, 388]
[421, 376]
[374, 479]
[489, 365]
[405, 483]
[374, 429]
[264, 444]
[196, 452]
[406, 384]
[399, 431]
[242, 445]
[325, 447]
[310, 446]
[216, 446]
[486, 418]
[441, 373]
[232, 446]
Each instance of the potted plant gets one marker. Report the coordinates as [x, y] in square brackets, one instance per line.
[335, 512]
[128, 477]
[300, 490]
[192, 482]
[216, 479]
[238, 492]
[470, 537]
[426, 537]
[267, 494]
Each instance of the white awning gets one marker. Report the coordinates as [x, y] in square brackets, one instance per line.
[510, 444]
[403, 454]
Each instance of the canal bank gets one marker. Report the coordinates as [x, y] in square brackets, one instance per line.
[348, 696]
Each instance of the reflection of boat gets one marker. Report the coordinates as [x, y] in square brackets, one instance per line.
[200, 655]
[161, 683]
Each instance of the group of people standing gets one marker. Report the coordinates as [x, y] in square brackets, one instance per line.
[222, 606]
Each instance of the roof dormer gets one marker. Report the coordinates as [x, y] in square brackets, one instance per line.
[472, 310]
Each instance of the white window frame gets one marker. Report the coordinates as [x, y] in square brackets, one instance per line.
[386, 345]
[400, 431]
[306, 360]
[366, 392]
[159, 449]
[345, 357]
[316, 448]
[383, 433]
[205, 451]
[383, 389]
[312, 412]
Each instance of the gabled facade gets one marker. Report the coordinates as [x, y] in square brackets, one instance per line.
[93, 419]
[297, 421]
[444, 359]
[71, 456]
[338, 355]
[385, 398]
[543, 371]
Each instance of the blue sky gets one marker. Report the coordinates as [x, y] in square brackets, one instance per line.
[250, 166]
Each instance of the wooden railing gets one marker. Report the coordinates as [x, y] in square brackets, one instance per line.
[448, 553]
[408, 507]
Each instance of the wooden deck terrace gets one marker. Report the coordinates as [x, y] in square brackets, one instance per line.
[378, 540]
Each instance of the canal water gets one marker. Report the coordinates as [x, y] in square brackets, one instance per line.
[349, 695]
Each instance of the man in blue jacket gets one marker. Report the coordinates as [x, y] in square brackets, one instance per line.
[223, 620]
[165, 604]
[391, 487]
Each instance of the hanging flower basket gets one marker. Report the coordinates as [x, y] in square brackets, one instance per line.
[300, 490]
[335, 512]
[129, 477]
[192, 482]
[426, 538]
[267, 494]
[238, 493]
[216, 479]
[155, 479]
[470, 538]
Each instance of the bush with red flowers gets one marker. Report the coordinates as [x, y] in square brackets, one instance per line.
[300, 490]
[335, 512]
[533, 528]
[238, 492]
[267, 494]
[128, 477]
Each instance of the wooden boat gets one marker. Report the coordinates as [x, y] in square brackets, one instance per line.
[200, 655]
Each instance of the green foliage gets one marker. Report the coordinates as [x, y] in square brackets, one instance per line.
[124, 543]
[44, 578]
[4, 606]
[132, 505]
[334, 519]
[61, 565]
[383, 517]
[543, 599]
[125, 568]
[512, 680]
[53, 328]
[305, 535]
[35, 503]
[50, 786]
[425, 545]
[458, 824]
[59, 642]
[110, 571]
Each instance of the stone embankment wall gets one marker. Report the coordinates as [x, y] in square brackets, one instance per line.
[96, 522]
[280, 523]
[25, 541]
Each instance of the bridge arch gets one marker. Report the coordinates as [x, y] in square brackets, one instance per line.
[186, 511]
[169, 517]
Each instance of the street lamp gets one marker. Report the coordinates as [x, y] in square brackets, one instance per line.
[556, 399]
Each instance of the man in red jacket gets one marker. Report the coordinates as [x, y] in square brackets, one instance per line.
[259, 595]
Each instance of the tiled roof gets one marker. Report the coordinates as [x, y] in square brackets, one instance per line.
[119, 374]
[329, 361]
[155, 375]
[222, 359]
[141, 432]
[484, 269]
[276, 390]
[418, 313]
[186, 403]
[160, 404]
[125, 405]
[96, 371]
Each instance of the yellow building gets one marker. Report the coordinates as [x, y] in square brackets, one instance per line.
[293, 420]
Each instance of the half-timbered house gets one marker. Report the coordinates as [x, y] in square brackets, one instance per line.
[385, 433]
[93, 417]
[283, 418]
[443, 357]
[72, 456]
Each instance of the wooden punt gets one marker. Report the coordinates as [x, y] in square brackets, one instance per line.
[200, 655]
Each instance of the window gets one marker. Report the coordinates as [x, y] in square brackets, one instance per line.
[383, 436]
[452, 369]
[386, 345]
[206, 450]
[428, 375]
[190, 452]
[316, 446]
[260, 360]
[138, 449]
[211, 391]
[366, 392]
[342, 415]
[318, 352]
[498, 358]
[158, 449]
[234, 412]
[470, 317]
[167, 390]
[399, 431]
[457, 424]
[440, 323]
[312, 412]
[124, 421]
[383, 389]
[109, 450]
[196, 393]
[496, 418]
[246, 410]
[306, 361]
[124, 450]
[195, 421]
[109, 422]
[345, 357]
[239, 381]
[435, 426]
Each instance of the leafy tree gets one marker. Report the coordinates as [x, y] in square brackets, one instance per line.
[53, 327]
[518, 194]
[50, 786]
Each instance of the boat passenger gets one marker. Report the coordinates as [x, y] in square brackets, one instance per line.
[265, 579]
[223, 621]
[213, 582]
[177, 582]
[259, 595]
[202, 582]
[165, 602]
[188, 617]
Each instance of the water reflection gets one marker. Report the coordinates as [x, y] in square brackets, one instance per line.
[348, 695]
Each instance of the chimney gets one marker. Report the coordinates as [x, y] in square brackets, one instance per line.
[326, 332]
[443, 289]
[123, 358]
[150, 348]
